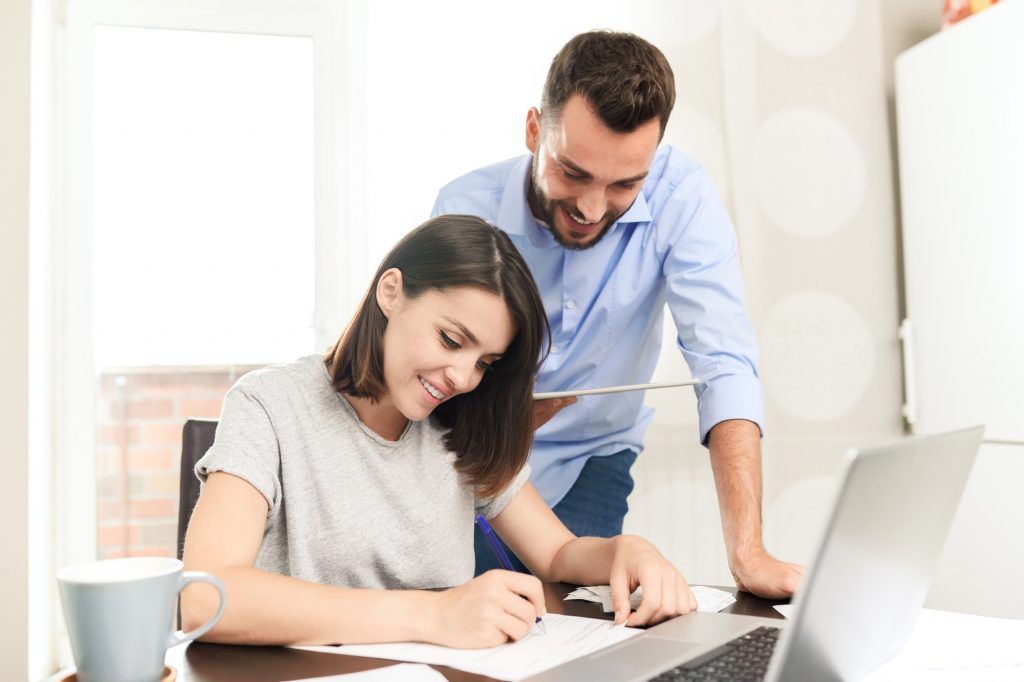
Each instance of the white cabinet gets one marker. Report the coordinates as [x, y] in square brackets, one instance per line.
[960, 112]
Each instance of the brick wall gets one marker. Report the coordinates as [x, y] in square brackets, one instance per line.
[138, 452]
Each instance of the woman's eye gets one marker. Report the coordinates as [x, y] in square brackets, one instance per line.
[486, 366]
[450, 342]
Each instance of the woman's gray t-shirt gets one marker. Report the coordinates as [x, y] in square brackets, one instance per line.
[347, 507]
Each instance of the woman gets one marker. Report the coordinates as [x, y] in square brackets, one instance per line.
[341, 489]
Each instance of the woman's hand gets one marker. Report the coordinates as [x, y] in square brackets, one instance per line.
[490, 609]
[636, 562]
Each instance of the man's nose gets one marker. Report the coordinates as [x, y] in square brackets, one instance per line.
[592, 204]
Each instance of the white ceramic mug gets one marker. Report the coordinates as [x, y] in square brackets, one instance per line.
[120, 615]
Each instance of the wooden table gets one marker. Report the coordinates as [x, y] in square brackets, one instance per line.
[200, 662]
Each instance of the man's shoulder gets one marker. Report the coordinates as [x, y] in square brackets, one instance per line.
[673, 168]
[485, 184]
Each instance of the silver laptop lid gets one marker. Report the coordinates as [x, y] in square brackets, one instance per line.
[859, 600]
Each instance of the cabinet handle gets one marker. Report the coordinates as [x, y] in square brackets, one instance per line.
[909, 379]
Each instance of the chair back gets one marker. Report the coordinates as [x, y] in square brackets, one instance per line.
[196, 439]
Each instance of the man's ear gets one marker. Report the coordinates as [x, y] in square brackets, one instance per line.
[389, 290]
[533, 129]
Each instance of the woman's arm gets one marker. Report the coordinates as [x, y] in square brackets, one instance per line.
[224, 536]
[552, 552]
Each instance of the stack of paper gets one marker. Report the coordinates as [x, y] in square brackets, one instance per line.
[567, 637]
[709, 599]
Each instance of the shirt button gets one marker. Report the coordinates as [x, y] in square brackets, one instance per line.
[554, 349]
[570, 304]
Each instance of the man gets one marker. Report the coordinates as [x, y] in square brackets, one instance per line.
[612, 227]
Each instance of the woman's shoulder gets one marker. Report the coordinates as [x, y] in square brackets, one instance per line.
[304, 377]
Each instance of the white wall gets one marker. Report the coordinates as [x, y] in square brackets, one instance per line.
[786, 108]
[14, 275]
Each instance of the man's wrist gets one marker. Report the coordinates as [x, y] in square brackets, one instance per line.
[741, 557]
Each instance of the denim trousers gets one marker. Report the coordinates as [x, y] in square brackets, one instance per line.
[595, 506]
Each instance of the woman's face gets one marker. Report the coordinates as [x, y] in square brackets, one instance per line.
[439, 344]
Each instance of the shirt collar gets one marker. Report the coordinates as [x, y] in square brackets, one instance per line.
[514, 215]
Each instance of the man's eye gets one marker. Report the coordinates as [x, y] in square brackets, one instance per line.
[450, 342]
[574, 176]
[628, 186]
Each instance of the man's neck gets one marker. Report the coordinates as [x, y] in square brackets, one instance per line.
[533, 203]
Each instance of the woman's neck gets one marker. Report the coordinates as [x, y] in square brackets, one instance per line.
[381, 417]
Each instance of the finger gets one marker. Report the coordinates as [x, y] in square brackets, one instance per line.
[671, 597]
[523, 609]
[619, 583]
[512, 627]
[651, 603]
[686, 600]
[689, 599]
[528, 587]
[667, 609]
[796, 575]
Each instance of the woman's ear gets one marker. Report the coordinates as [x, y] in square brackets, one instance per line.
[389, 290]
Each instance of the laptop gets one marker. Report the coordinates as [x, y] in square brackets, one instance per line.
[859, 598]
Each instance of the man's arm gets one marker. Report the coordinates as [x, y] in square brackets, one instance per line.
[735, 447]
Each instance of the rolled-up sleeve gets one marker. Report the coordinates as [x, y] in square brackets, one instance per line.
[705, 296]
[246, 446]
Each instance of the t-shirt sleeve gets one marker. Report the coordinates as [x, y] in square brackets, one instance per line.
[491, 507]
[246, 446]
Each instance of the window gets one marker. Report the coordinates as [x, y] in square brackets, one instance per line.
[207, 157]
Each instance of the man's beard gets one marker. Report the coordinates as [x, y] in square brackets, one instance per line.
[544, 209]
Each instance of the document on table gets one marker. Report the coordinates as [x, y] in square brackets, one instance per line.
[946, 646]
[567, 637]
[709, 599]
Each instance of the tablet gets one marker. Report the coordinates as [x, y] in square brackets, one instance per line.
[614, 389]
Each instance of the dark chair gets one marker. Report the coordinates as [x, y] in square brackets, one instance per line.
[196, 439]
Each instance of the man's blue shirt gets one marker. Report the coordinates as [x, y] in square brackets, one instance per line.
[675, 244]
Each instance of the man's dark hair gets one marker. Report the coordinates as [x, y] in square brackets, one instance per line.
[489, 428]
[624, 79]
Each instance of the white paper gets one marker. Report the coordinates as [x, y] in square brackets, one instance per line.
[785, 609]
[709, 599]
[402, 672]
[567, 637]
[946, 646]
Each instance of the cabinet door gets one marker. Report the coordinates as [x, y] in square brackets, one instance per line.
[960, 109]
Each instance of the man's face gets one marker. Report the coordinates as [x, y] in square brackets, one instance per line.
[585, 175]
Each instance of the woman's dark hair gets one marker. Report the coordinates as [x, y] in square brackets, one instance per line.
[489, 428]
[623, 78]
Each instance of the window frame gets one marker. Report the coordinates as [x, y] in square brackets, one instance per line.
[336, 30]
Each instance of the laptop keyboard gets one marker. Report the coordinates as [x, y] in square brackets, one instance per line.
[742, 659]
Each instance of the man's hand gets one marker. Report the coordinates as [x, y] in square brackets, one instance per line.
[544, 410]
[764, 575]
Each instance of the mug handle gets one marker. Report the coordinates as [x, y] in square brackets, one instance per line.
[185, 579]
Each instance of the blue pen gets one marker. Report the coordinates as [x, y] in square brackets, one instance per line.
[499, 552]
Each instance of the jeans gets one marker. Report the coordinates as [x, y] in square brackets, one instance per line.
[595, 506]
